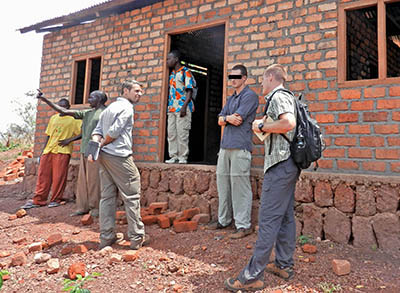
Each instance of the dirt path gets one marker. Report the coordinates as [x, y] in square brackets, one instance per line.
[186, 262]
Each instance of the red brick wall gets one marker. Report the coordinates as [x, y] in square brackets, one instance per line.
[361, 124]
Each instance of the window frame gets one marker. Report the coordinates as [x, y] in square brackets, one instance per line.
[382, 47]
[88, 70]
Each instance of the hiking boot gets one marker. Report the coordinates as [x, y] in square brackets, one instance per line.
[240, 233]
[235, 285]
[216, 226]
[108, 242]
[143, 242]
[284, 273]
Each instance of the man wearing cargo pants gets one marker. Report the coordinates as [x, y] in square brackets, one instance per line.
[234, 158]
[118, 172]
[276, 214]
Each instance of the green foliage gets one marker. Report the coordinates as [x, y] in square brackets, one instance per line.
[329, 288]
[2, 273]
[21, 132]
[304, 239]
[75, 286]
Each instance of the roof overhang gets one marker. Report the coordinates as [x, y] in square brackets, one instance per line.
[112, 7]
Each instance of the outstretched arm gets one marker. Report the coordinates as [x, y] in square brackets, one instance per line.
[65, 142]
[56, 107]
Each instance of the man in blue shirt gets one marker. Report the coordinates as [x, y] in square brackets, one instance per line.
[234, 158]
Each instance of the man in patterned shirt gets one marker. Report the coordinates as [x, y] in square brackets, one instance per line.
[180, 108]
[276, 214]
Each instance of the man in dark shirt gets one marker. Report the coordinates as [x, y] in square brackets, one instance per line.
[234, 158]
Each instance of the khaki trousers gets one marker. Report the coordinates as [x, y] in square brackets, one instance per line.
[119, 174]
[178, 135]
[88, 189]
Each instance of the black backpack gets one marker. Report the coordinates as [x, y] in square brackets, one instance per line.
[307, 144]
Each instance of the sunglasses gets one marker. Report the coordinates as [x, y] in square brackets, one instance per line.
[235, 76]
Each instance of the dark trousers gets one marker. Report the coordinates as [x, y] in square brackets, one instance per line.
[275, 220]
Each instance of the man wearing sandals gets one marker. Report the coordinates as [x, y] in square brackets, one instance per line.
[54, 161]
[276, 214]
[118, 172]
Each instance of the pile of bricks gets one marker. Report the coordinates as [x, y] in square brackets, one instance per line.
[16, 168]
[156, 213]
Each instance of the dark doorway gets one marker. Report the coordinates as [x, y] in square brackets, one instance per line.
[203, 52]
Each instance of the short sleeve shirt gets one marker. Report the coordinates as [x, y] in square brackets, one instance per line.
[279, 149]
[90, 118]
[59, 128]
[179, 81]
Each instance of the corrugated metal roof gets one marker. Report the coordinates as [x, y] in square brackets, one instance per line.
[104, 9]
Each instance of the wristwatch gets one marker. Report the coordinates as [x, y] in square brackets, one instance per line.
[260, 126]
[224, 119]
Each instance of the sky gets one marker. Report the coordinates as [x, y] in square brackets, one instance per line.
[21, 54]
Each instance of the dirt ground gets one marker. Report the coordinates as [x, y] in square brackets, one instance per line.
[186, 262]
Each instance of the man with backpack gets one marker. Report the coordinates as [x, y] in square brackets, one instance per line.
[180, 108]
[276, 214]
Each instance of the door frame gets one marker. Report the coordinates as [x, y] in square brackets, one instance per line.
[165, 72]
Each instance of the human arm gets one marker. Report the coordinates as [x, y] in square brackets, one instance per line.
[285, 123]
[183, 110]
[67, 141]
[234, 119]
[45, 144]
[61, 110]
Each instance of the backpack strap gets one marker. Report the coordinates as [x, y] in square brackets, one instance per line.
[266, 109]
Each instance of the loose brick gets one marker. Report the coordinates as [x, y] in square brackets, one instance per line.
[66, 250]
[54, 239]
[114, 258]
[163, 221]
[19, 240]
[78, 268]
[157, 208]
[309, 248]
[12, 217]
[190, 213]
[341, 267]
[18, 259]
[86, 219]
[185, 226]
[37, 246]
[148, 220]
[81, 248]
[130, 255]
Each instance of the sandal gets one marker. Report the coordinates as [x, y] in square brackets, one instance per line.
[30, 205]
[53, 204]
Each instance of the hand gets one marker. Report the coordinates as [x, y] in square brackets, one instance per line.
[182, 112]
[90, 159]
[234, 119]
[39, 94]
[64, 142]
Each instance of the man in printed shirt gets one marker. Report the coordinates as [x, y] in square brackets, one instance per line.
[118, 172]
[180, 108]
[54, 161]
[276, 213]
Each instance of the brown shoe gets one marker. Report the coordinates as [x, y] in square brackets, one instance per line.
[235, 285]
[240, 233]
[216, 226]
[284, 273]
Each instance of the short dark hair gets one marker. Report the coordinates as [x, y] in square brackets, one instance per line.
[242, 68]
[278, 71]
[65, 101]
[100, 94]
[128, 85]
[176, 53]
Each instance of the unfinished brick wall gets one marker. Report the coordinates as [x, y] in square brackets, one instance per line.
[361, 124]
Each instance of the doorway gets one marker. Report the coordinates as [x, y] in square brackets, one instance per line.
[202, 51]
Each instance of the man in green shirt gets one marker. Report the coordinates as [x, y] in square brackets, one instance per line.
[88, 187]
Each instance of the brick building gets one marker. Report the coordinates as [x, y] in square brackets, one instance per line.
[342, 54]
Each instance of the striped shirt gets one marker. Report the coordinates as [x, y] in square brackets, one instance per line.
[116, 121]
[279, 149]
